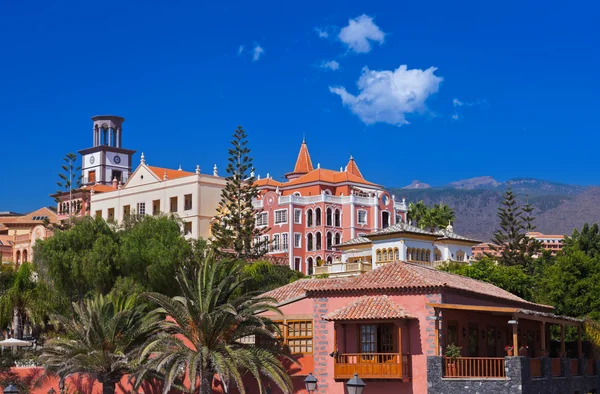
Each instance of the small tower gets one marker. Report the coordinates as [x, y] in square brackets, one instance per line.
[106, 159]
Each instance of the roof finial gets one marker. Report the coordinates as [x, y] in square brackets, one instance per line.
[318, 165]
[165, 176]
[304, 138]
[351, 157]
[179, 169]
[215, 171]
[258, 177]
[268, 176]
[197, 169]
[143, 159]
[341, 169]
[252, 174]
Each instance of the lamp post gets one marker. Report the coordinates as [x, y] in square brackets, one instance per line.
[51, 391]
[310, 383]
[11, 389]
[355, 385]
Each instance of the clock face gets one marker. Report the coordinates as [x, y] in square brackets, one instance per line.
[92, 160]
[117, 159]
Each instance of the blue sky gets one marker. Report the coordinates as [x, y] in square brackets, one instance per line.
[436, 91]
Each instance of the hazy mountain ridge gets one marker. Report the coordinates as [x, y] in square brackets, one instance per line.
[559, 208]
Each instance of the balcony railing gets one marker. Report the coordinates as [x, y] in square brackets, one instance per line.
[372, 366]
[282, 200]
[343, 268]
[474, 367]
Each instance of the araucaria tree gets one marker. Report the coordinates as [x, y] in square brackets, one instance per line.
[70, 179]
[234, 227]
[205, 334]
[511, 240]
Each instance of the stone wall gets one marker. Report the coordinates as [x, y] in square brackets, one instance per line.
[517, 381]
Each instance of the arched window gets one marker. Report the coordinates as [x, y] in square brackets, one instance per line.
[378, 256]
[318, 216]
[437, 255]
[18, 257]
[318, 241]
[337, 218]
[309, 218]
[24, 256]
[428, 255]
[338, 239]
[309, 266]
[422, 255]
[390, 254]
[460, 255]
[329, 218]
[329, 241]
[329, 260]
[396, 254]
[384, 255]
[309, 242]
[296, 194]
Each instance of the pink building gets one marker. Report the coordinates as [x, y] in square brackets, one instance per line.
[392, 325]
[317, 209]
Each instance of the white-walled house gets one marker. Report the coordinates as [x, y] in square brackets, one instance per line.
[400, 242]
[192, 196]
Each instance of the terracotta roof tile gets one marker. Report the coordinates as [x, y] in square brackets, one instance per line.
[99, 188]
[267, 182]
[352, 168]
[29, 218]
[171, 174]
[330, 176]
[303, 162]
[298, 288]
[400, 275]
[369, 308]
[356, 241]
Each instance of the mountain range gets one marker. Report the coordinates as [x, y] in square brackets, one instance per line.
[559, 207]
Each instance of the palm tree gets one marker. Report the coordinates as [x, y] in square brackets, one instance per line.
[444, 215]
[429, 220]
[204, 334]
[23, 302]
[102, 340]
[416, 211]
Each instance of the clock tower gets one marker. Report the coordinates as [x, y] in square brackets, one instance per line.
[106, 159]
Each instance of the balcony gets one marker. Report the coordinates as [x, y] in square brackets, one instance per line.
[372, 366]
[343, 269]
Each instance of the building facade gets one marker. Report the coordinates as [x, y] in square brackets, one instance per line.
[553, 243]
[317, 209]
[192, 196]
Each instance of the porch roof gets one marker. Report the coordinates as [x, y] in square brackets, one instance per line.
[369, 308]
[515, 313]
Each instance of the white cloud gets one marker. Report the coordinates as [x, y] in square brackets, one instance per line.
[387, 96]
[331, 65]
[455, 116]
[457, 103]
[240, 50]
[257, 52]
[321, 33]
[359, 32]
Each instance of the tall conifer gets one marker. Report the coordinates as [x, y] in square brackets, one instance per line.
[234, 229]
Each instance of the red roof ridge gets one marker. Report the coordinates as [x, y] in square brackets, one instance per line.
[303, 162]
[352, 168]
[369, 307]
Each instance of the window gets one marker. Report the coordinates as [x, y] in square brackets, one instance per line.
[318, 216]
[309, 218]
[309, 242]
[337, 218]
[187, 202]
[297, 215]
[362, 216]
[275, 247]
[173, 204]
[328, 217]
[92, 176]
[338, 239]
[309, 266]
[460, 255]
[126, 211]
[297, 240]
[368, 338]
[318, 241]
[187, 228]
[452, 330]
[378, 258]
[385, 219]
[281, 216]
[99, 214]
[396, 254]
[473, 340]
[284, 238]
[116, 175]
[262, 219]
[329, 241]
[398, 218]
[297, 262]
[141, 209]
[156, 207]
[111, 214]
[298, 336]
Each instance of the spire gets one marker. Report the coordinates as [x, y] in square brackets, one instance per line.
[143, 159]
[303, 163]
[353, 168]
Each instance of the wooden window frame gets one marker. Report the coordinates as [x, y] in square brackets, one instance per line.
[284, 324]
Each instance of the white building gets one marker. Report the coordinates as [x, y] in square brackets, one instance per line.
[400, 242]
[192, 196]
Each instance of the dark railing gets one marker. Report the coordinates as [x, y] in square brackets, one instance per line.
[371, 365]
[535, 366]
[474, 367]
[556, 367]
[574, 364]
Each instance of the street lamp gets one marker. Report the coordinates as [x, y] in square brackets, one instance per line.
[355, 385]
[51, 391]
[310, 383]
[11, 389]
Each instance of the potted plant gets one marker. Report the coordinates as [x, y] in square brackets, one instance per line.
[509, 350]
[523, 351]
[320, 262]
[452, 354]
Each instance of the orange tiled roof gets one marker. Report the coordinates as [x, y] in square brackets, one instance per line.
[303, 162]
[369, 308]
[99, 188]
[352, 168]
[267, 182]
[298, 288]
[324, 175]
[29, 218]
[171, 174]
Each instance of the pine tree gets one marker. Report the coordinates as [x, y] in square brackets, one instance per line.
[69, 181]
[234, 227]
[515, 247]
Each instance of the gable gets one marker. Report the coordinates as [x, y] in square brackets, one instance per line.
[141, 176]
